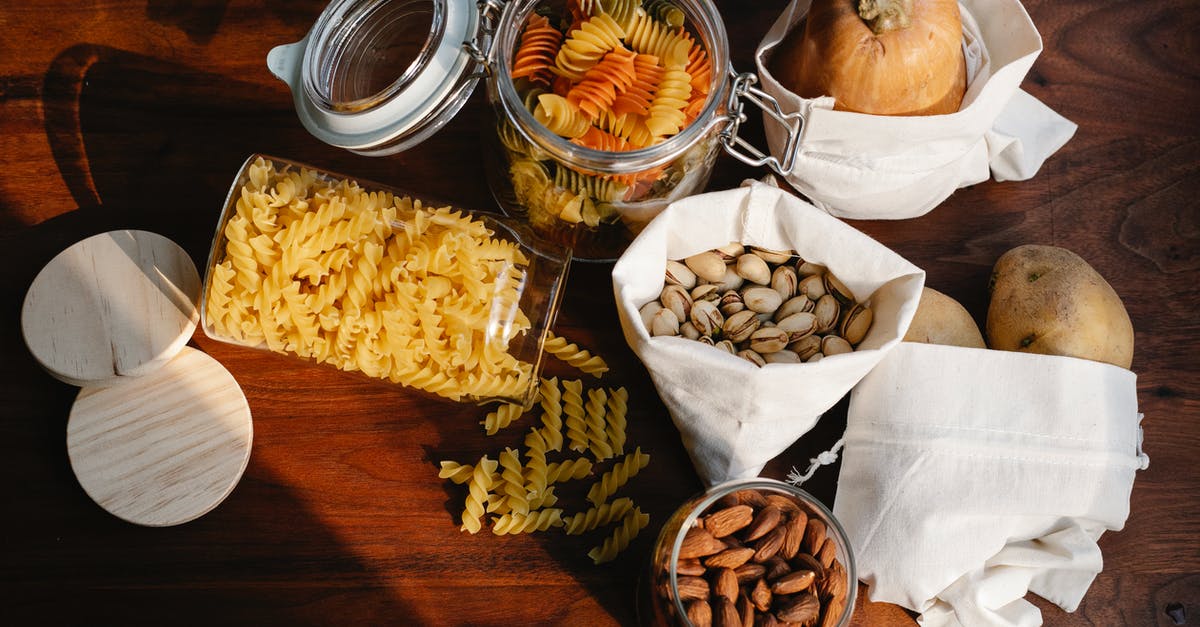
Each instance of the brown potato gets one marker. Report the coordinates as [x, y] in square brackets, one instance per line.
[942, 320]
[1048, 300]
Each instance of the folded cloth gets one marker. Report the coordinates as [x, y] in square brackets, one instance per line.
[863, 166]
[971, 477]
[734, 416]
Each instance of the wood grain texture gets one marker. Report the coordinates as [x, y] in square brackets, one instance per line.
[137, 113]
[164, 448]
[115, 305]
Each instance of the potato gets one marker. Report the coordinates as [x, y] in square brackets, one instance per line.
[1048, 300]
[942, 320]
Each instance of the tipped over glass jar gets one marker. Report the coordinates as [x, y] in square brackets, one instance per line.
[605, 110]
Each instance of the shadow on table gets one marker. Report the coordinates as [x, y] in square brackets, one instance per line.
[150, 145]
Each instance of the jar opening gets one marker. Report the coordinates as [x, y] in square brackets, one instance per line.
[368, 50]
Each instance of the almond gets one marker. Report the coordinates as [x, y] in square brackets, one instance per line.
[767, 546]
[804, 561]
[730, 558]
[726, 521]
[725, 583]
[766, 620]
[725, 613]
[776, 568]
[747, 573]
[785, 503]
[793, 582]
[746, 611]
[690, 566]
[833, 586]
[765, 520]
[803, 608]
[795, 526]
[699, 613]
[827, 553]
[831, 613]
[814, 536]
[753, 498]
[761, 595]
[691, 588]
[699, 542]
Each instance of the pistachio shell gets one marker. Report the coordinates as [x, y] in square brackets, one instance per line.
[752, 357]
[730, 281]
[705, 292]
[807, 268]
[826, 310]
[731, 251]
[664, 323]
[707, 318]
[806, 346]
[678, 300]
[772, 256]
[679, 274]
[727, 346]
[783, 280]
[782, 357]
[812, 286]
[768, 340]
[856, 323]
[731, 303]
[794, 305]
[834, 286]
[798, 325]
[706, 339]
[740, 325]
[835, 345]
[707, 265]
[648, 310]
[689, 331]
[752, 268]
[815, 358]
[761, 299]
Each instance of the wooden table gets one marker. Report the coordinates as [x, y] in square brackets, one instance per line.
[137, 114]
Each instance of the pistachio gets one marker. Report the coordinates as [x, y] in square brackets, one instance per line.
[782, 357]
[689, 331]
[707, 291]
[665, 322]
[807, 268]
[856, 323]
[706, 339]
[707, 265]
[768, 340]
[677, 299]
[806, 346]
[752, 268]
[826, 310]
[707, 318]
[798, 325]
[783, 280]
[812, 286]
[772, 256]
[730, 280]
[752, 357]
[761, 299]
[793, 305]
[726, 346]
[739, 326]
[815, 358]
[731, 303]
[679, 274]
[648, 310]
[834, 286]
[835, 345]
[730, 252]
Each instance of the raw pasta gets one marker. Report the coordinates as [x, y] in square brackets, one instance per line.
[501, 417]
[618, 476]
[596, 434]
[576, 421]
[512, 480]
[597, 516]
[577, 468]
[552, 424]
[571, 353]
[456, 472]
[482, 478]
[539, 520]
[535, 466]
[617, 410]
[633, 523]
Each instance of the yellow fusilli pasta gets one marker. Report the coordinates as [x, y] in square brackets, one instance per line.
[597, 516]
[456, 472]
[501, 417]
[618, 408]
[633, 523]
[596, 428]
[482, 478]
[618, 476]
[552, 424]
[539, 520]
[571, 353]
[577, 468]
[575, 422]
[513, 481]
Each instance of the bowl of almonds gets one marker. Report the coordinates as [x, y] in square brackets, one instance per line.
[752, 552]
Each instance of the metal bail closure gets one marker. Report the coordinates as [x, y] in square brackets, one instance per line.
[379, 76]
[744, 89]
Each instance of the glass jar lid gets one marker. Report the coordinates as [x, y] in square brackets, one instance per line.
[379, 76]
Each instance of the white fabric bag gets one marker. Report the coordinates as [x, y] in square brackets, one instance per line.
[863, 166]
[971, 477]
[732, 415]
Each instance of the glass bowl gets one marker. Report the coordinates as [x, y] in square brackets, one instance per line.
[370, 278]
[769, 554]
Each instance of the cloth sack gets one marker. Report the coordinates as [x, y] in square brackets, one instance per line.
[863, 166]
[732, 415]
[971, 477]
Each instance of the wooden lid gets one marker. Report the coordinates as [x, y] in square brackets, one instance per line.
[164, 448]
[114, 305]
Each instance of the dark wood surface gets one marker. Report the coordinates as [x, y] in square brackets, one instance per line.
[136, 114]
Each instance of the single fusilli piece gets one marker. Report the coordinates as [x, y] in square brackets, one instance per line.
[560, 116]
[598, 190]
[666, 115]
[618, 476]
[539, 520]
[618, 408]
[575, 423]
[535, 465]
[637, 97]
[456, 472]
[535, 54]
[603, 81]
[666, 12]
[501, 417]
[512, 480]
[586, 45]
[577, 468]
[596, 434]
[633, 523]
[552, 424]
[597, 516]
[572, 354]
[481, 481]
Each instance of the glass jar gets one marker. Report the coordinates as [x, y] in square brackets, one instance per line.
[361, 81]
[667, 593]
[369, 278]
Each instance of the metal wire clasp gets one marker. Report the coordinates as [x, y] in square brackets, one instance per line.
[744, 90]
[489, 19]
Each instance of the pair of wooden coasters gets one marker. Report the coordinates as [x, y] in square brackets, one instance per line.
[159, 433]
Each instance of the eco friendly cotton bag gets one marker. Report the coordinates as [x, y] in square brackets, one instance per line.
[734, 416]
[971, 477]
[863, 166]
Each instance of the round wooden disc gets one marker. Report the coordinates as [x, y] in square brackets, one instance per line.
[114, 305]
[164, 448]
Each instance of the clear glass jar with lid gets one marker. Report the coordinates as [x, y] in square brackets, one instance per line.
[378, 76]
